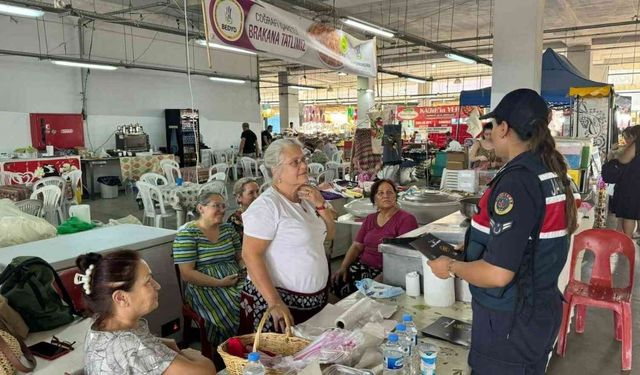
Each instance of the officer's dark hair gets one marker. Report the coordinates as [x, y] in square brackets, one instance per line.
[376, 186]
[543, 145]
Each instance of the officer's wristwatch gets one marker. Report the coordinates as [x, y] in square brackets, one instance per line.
[449, 266]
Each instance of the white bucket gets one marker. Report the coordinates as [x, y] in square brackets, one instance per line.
[463, 293]
[81, 211]
[437, 292]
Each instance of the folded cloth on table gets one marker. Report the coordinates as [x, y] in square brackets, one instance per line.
[375, 289]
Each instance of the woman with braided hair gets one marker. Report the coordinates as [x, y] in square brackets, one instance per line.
[517, 244]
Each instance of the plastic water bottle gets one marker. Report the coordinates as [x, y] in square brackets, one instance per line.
[404, 340]
[393, 356]
[412, 331]
[254, 367]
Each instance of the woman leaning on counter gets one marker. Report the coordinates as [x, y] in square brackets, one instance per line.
[518, 244]
[284, 231]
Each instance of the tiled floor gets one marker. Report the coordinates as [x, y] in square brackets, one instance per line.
[593, 352]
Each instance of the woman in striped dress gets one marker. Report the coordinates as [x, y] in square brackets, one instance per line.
[207, 251]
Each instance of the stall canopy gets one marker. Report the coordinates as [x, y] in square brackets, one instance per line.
[558, 76]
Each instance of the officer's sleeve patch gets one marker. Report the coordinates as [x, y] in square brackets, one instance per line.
[503, 204]
[499, 228]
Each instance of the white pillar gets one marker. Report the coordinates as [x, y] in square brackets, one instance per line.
[366, 101]
[580, 57]
[288, 103]
[517, 50]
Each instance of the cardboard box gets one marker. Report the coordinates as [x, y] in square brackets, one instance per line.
[456, 165]
[457, 156]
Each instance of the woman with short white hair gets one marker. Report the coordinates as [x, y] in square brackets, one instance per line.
[284, 232]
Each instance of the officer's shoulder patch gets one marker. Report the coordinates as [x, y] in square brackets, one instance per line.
[503, 204]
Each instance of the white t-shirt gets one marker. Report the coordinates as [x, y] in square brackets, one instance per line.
[295, 258]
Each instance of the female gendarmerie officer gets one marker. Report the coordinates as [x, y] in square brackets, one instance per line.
[517, 244]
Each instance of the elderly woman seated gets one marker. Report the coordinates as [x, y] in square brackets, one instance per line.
[246, 191]
[207, 252]
[363, 260]
[119, 290]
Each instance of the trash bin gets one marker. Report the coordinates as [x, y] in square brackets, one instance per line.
[109, 186]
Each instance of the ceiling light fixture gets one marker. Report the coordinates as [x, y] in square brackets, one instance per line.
[460, 58]
[342, 74]
[20, 11]
[417, 80]
[75, 64]
[370, 91]
[227, 80]
[304, 88]
[224, 47]
[373, 29]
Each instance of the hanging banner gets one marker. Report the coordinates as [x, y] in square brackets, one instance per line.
[262, 27]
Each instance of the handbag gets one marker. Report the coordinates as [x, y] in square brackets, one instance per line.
[612, 171]
[11, 351]
[11, 321]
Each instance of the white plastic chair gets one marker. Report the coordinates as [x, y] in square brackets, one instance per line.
[30, 206]
[315, 169]
[171, 170]
[150, 195]
[218, 168]
[218, 177]
[265, 173]
[5, 178]
[249, 167]
[51, 195]
[60, 182]
[337, 157]
[214, 186]
[154, 178]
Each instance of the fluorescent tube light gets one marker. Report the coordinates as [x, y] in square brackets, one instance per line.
[20, 11]
[370, 91]
[304, 88]
[224, 47]
[84, 65]
[227, 80]
[418, 80]
[462, 59]
[377, 30]
[342, 74]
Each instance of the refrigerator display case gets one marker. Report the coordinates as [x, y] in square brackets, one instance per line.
[183, 134]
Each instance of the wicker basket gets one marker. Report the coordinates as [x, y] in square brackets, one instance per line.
[283, 344]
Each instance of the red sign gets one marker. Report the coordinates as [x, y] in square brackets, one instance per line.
[439, 120]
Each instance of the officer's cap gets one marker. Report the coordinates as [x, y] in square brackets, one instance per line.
[519, 109]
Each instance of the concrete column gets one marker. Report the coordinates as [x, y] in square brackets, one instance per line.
[365, 86]
[517, 50]
[580, 57]
[288, 103]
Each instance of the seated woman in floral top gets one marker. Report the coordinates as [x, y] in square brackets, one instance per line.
[119, 290]
[246, 191]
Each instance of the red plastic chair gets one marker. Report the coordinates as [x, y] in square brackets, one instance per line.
[599, 292]
[74, 291]
[189, 315]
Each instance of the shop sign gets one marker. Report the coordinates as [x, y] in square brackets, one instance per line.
[270, 30]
